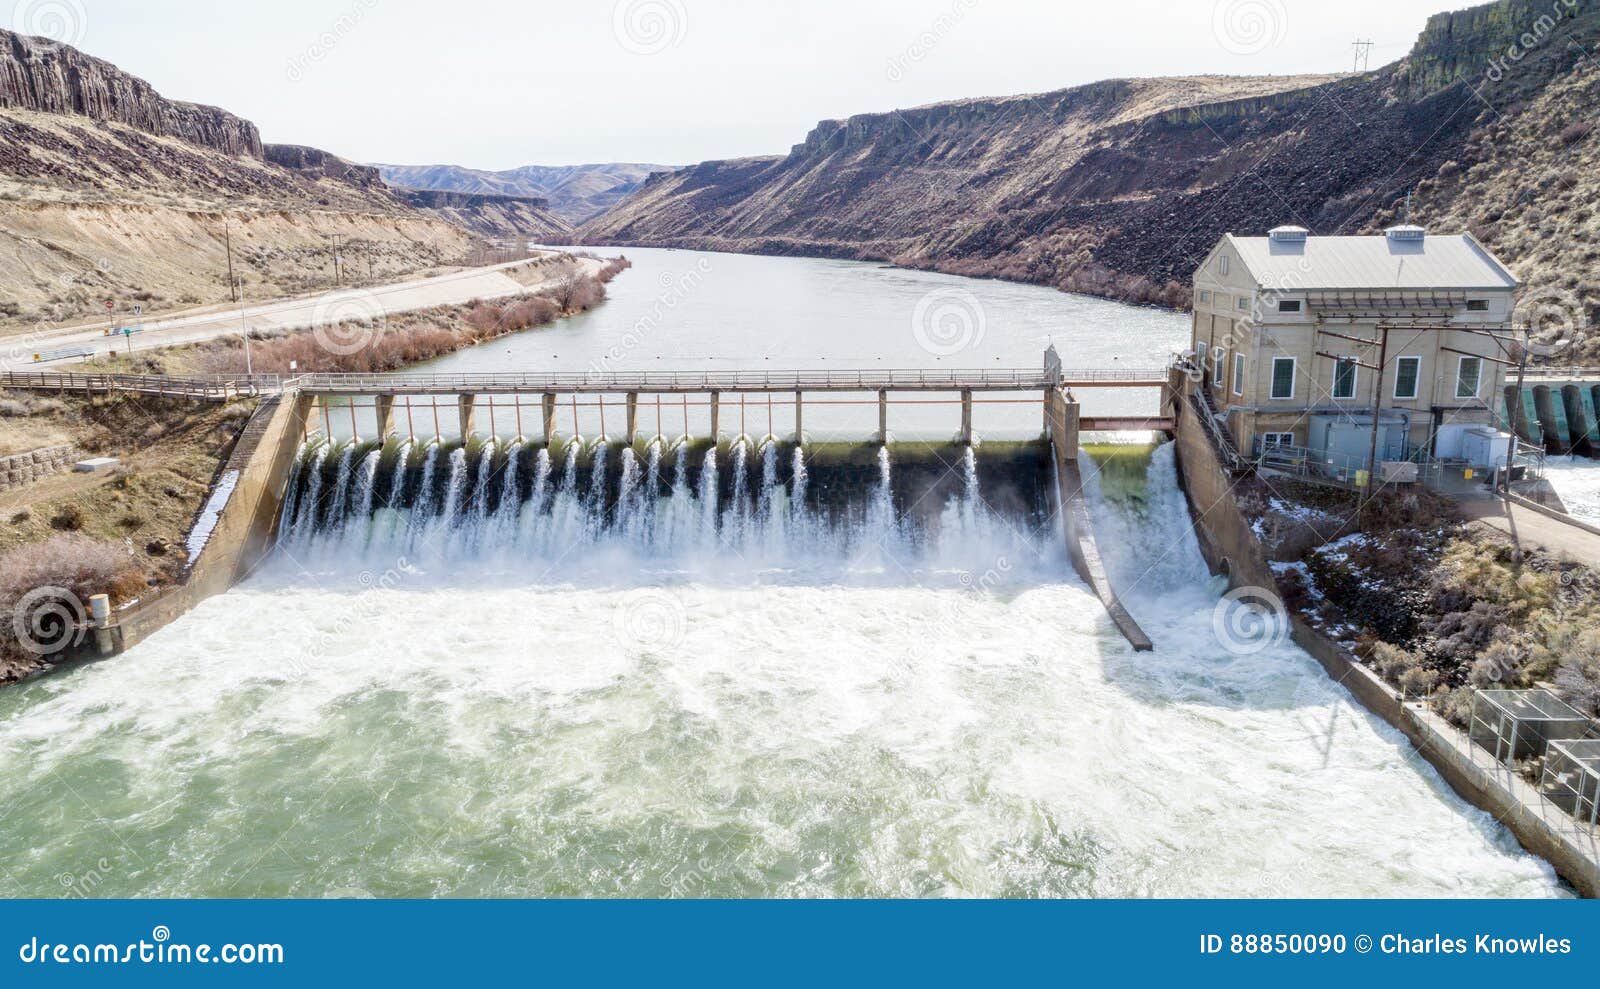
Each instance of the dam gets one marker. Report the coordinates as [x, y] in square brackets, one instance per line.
[734, 664]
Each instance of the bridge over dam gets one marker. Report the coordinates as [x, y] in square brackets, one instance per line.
[355, 460]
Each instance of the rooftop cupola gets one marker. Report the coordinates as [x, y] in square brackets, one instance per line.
[1405, 233]
[1288, 235]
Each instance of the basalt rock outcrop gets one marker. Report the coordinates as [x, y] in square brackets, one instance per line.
[318, 164]
[38, 74]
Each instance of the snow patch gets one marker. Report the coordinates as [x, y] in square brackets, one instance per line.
[201, 533]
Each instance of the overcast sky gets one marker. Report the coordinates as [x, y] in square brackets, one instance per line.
[500, 83]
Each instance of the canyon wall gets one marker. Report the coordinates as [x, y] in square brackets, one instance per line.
[1119, 188]
[37, 74]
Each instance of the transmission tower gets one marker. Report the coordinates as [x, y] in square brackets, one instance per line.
[1363, 54]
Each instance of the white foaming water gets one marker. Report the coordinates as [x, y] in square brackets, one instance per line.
[652, 729]
[1577, 481]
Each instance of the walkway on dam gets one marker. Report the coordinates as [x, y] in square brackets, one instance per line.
[1529, 527]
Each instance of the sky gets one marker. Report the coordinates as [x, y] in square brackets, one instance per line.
[499, 83]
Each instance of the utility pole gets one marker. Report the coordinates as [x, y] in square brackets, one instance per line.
[244, 331]
[1515, 415]
[1377, 410]
[1363, 54]
[227, 239]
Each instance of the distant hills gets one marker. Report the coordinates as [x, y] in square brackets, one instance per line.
[1119, 188]
[576, 193]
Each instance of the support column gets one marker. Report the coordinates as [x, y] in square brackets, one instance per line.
[716, 415]
[1069, 430]
[548, 407]
[385, 409]
[633, 417]
[465, 404]
[799, 432]
[883, 416]
[966, 416]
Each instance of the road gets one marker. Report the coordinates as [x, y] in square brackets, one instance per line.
[493, 282]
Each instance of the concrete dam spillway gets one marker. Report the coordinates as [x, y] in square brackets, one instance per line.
[686, 501]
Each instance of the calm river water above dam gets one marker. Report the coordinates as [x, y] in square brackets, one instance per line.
[700, 694]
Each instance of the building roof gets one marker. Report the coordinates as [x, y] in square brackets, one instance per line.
[1433, 261]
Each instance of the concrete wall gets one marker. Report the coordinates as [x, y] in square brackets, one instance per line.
[1229, 544]
[245, 529]
[22, 469]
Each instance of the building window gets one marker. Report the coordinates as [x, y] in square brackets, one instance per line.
[1279, 441]
[1205, 296]
[1477, 305]
[1238, 374]
[1407, 372]
[1288, 305]
[1344, 377]
[1222, 263]
[1283, 369]
[1244, 303]
[1218, 366]
[1468, 370]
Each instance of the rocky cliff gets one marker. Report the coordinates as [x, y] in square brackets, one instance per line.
[1119, 188]
[37, 74]
[318, 164]
[498, 217]
[112, 195]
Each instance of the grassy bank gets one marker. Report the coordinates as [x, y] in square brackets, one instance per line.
[118, 532]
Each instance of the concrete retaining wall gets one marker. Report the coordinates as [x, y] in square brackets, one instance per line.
[244, 528]
[1230, 545]
[21, 469]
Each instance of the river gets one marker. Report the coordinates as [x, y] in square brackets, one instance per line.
[530, 696]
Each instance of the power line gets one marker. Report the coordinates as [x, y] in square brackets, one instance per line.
[1363, 54]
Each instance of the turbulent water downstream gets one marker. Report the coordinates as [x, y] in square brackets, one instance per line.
[492, 670]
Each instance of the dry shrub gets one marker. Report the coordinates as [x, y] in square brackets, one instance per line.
[79, 566]
[1575, 132]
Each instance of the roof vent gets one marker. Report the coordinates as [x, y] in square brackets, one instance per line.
[1405, 232]
[1288, 235]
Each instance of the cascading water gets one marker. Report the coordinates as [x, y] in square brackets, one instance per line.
[306, 516]
[755, 513]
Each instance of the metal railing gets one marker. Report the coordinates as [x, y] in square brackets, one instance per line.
[1303, 462]
[1221, 440]
[208, 387]
[227, 386]
[729, 381]
[1549, 372]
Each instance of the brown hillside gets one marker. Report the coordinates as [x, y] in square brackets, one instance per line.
[1118, 188]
